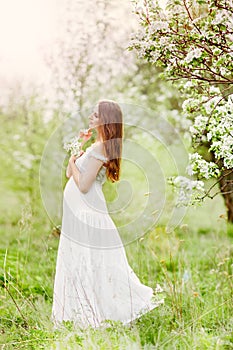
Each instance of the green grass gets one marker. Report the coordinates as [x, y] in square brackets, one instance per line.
[194, 268]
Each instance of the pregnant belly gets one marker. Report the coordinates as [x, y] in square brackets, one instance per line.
[77, 201]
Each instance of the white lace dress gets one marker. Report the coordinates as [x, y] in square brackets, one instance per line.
[93, 280]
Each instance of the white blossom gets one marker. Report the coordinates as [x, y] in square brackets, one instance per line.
[195, 53]
[188, 85]
[211, 104]
[219, 18]
[163, 41]
[214, 90]
[158, 25]
[204, 168]
[187, 189]
[190, 103]
[223, 70]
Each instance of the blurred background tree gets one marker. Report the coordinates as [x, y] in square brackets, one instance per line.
[89, 55]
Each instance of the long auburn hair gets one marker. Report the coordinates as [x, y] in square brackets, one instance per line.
[110, 130]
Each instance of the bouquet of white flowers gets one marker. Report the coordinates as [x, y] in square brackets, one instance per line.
[74, 146]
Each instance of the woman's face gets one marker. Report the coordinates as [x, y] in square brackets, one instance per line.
[94, 118]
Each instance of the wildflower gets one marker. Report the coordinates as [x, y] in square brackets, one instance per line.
[158, 288]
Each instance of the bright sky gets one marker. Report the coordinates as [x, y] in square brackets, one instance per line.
[26, 26]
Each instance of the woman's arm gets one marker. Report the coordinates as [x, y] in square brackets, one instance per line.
[69, 169]
[85, 179]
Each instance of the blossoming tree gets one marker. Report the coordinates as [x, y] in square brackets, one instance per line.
[88, 56]
[193, 42]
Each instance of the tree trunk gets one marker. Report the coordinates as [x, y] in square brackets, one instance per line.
[226, 187]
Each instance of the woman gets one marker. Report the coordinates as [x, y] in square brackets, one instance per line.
[93, 280]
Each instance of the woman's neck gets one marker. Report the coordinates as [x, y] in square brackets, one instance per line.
[99, 139]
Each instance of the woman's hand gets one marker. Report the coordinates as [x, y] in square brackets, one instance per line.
[72, 160]
[71, 163]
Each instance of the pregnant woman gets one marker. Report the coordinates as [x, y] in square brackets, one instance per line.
[93, 281]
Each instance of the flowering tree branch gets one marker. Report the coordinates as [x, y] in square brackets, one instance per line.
[193, 42]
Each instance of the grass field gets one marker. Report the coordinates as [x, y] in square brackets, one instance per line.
[193, 264]
[194, 268]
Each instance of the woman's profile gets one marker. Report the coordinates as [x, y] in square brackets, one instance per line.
[93, 280]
